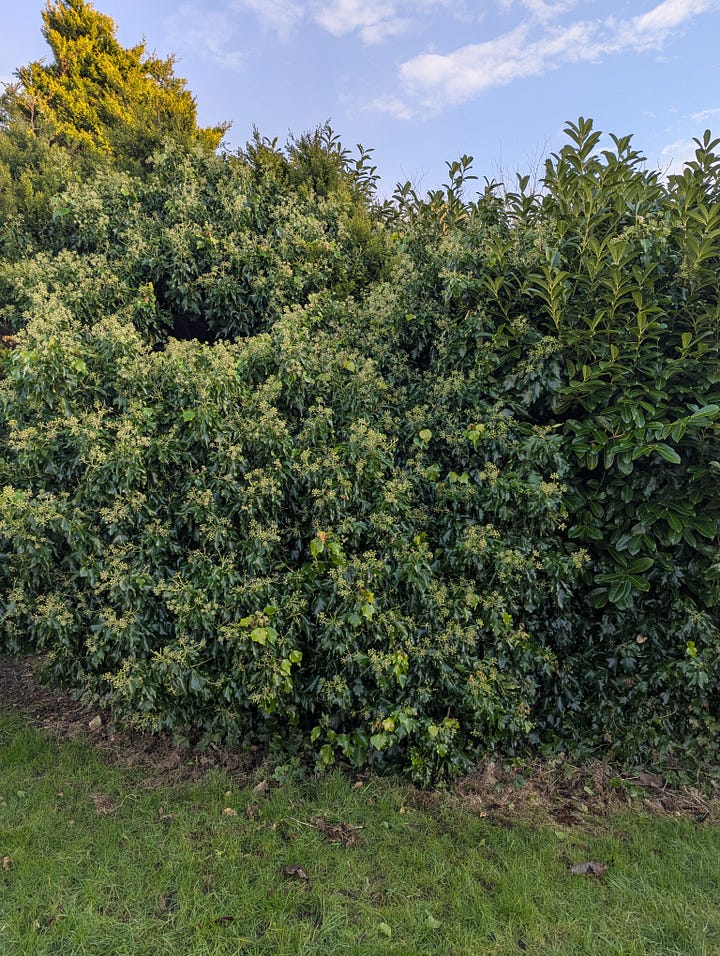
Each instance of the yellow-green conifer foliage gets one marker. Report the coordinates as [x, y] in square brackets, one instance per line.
[97, 97]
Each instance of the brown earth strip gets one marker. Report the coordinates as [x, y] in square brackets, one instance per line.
[547, 791]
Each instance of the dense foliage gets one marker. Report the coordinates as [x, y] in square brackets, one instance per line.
[397, 484]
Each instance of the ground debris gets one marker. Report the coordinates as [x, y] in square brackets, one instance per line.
[345, 833]
[556, 790]
[591, 868]
[55, 712]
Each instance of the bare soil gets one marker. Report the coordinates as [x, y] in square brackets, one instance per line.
[54, 711]
[556, 792]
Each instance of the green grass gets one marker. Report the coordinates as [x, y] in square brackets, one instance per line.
[168, 872]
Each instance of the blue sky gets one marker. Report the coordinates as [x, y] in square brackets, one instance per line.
[424, 82]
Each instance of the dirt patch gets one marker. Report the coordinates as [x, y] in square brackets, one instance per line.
[571, 795]
[557, 791]
[63, 718]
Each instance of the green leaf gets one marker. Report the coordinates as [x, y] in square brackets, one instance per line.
[640, 565]
[705, 412]
[668, 453]
[619, 592]
[708, 527]
[197, 681]
[625, 464]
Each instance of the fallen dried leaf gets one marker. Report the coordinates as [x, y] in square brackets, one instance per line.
[95, 724]
[6, 863]
[591, 868]
[295, 870]
[229, 812]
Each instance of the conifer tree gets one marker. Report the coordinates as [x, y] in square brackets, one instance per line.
[98, 98]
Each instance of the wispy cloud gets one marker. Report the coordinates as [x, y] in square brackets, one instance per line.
[705, 114]
[377, 20]
[437, 80]
[432, 81]
[541, 10]
[674, 156]
[374, 20]
[208, 35]
[216, 35]
[280, 16]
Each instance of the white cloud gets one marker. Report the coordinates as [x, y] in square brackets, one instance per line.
[438, 80]
[375, 20]
[669, 15]
[432, 81]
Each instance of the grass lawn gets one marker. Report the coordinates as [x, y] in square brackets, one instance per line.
[97, 859]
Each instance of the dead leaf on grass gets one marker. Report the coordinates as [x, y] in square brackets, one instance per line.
[6, 861]
[591, 868]
[297, 871]
[229, 812]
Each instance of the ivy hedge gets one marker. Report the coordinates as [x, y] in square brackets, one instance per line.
[393, 484]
